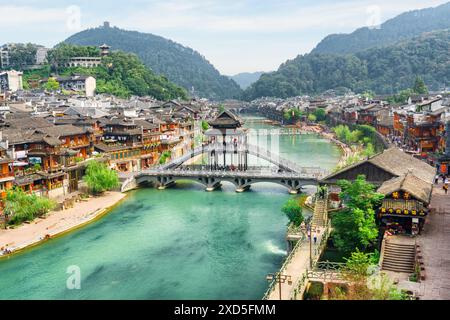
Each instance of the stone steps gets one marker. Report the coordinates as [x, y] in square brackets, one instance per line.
[399, 257]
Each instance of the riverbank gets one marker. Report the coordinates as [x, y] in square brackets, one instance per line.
[57, 223]
[347, 151]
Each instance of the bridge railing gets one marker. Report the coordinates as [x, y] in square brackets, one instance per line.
[260, 152]
[288, 260]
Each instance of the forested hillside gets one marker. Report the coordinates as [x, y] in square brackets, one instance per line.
[405, 26]
[382, 70]
[179, 64]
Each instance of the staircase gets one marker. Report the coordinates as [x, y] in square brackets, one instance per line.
[398, 257]
[320, 215]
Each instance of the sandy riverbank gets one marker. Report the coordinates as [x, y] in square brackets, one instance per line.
[58, 222]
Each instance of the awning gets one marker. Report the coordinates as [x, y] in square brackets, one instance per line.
[20, 164]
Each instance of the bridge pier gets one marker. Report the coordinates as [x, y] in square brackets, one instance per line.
[165, 182]
[242, 184]
[211, 183]
[294, 186]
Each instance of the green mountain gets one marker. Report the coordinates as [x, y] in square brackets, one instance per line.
[384, 70]
[405, 26]
[246, 79]
[179, 64]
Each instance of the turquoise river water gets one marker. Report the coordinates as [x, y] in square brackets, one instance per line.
[181, 243]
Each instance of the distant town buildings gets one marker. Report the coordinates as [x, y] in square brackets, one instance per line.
[7, 53]
[11, 81]
[86, 62]
[84, 84]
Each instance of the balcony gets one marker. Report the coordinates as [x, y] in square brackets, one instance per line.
[170, 141]
[4, 177]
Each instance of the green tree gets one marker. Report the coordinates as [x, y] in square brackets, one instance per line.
[320, 114]
[21, 206]
[51, 85]
[419, 86]
[205, 125]
[355, 227]
[293, 210]
[312, 118]
[164, 157]
[99, 178]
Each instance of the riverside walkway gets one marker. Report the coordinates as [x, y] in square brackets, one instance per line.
[306, 252]
[297, 265]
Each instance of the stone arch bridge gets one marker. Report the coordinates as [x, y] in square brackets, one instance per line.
[288, 174]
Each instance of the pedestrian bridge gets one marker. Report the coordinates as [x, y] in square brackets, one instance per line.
[286, 173]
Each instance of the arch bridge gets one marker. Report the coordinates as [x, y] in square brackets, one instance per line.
[286, 174]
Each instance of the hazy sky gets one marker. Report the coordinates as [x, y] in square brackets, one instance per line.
[234, 35]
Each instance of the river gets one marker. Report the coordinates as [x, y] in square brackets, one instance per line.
[181, 243]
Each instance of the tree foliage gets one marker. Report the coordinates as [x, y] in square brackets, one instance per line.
[293, 210]
[404, 26]
[21, 206]
[363, 285]
[164, 157]
[51, 85]
[99, 178]
[354, 226]
[385, 70]
[22, 55]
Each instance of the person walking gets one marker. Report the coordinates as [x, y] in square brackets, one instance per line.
[436, 179]
[445, 187]
[315, 238]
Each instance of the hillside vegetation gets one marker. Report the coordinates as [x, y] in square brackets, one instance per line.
[405, 26]
[179, 64]
[386, 70]
[121, 74]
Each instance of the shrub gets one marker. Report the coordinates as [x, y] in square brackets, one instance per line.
[21, 207]
[100, 178]
[294, 212]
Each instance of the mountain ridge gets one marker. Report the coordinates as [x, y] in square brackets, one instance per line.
[402, 27]
[246, 79]
[181, 65]
[384, 70]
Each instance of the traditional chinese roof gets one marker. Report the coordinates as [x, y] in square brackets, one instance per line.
[226, 119]
[400, 163]
[394, 162]
[409, 183]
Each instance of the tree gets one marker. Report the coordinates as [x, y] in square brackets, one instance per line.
[294, 212]
[419, 86]
[164, 157]
[363, 285]
[320, 114]
[354, 226]
[312, 118]
[51, 85]
[21, 207]
[205, 125]
[100, 178]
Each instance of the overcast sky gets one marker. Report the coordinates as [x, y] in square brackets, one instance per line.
[234, 35]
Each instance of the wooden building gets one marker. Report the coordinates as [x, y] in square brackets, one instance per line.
[405, 181]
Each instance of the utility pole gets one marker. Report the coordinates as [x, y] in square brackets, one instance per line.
[280, 279]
